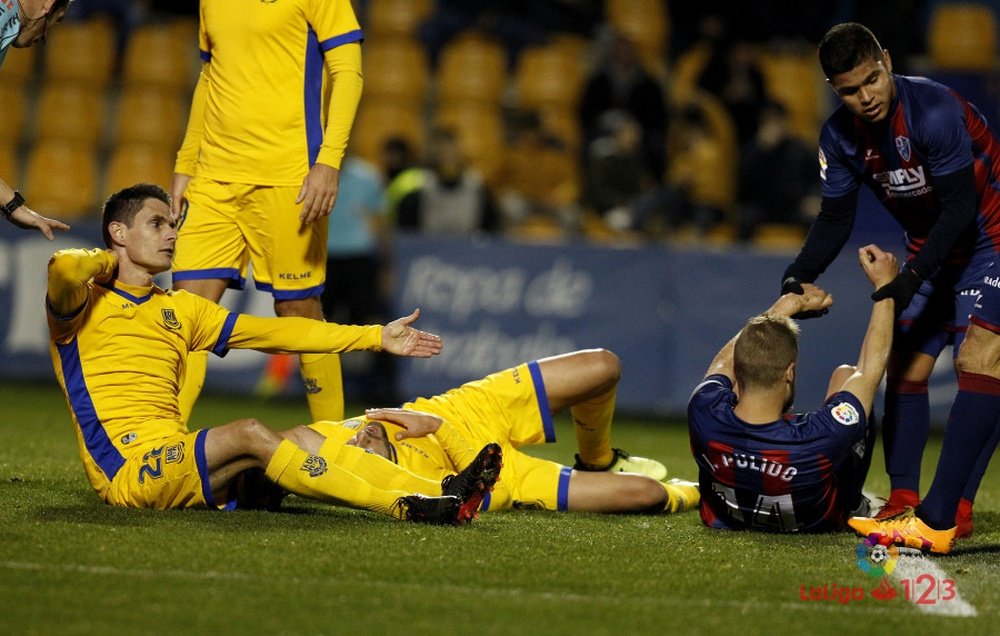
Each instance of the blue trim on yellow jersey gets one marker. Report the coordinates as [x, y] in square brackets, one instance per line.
[202, 462]
[313, 96]
[562, 494]
[483, 507]
[221, 347]
[290, 294]
[346, 38]
[219, 273]
[135, 299]
[204, 55]
[95, 438]
[543, 402]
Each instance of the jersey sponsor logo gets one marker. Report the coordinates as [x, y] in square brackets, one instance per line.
[903, 147]
[314, 465]
[845, 413]
[170, 319]
[904, 182]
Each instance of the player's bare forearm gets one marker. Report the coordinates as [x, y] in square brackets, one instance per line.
[69, 272]
[880, 268]
[414, 423]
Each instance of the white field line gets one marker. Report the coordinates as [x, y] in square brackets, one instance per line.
[930, 591]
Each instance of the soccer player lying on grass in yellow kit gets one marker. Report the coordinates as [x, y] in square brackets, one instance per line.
[436, 436]
[119, 345]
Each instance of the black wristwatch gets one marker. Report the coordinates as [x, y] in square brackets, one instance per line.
[12, 205]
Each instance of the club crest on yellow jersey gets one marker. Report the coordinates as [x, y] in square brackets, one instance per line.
[170, 319]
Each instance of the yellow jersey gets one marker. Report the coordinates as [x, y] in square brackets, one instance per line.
[263, 120]
[120, 358]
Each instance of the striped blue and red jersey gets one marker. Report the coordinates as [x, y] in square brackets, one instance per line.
[775, 477]
[931, 131]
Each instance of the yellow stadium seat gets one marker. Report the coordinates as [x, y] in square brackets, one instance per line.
[82, 52]
[480, 131]
[132, 163]
[795, 79]
[20, 67]
[15, 112]
[472, 67]
[71, 112]
[396, 68]
[779, 236]
[396, 17]
[647, 24]
[963, 36]
[8, 163]
[150, 115]
[61, 179]
[162, 56]
[549, 76]
[380, 119]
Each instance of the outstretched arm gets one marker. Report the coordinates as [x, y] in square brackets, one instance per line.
[24, 217]
[880, 268]
[812, 298]
[305, 335]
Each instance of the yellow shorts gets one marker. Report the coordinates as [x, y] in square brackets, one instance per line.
[228, 226]
[509, 407]
[172, 473]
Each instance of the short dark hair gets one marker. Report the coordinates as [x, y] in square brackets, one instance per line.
[846, 46]
[122, 206]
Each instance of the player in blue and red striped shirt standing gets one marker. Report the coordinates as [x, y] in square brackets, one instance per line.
[931, 159]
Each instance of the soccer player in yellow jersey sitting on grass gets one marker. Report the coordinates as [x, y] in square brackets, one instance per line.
[437, 436]
[119, 346]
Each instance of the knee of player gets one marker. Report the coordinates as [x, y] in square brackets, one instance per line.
[607, 365]
[257, 438]
[647, 494]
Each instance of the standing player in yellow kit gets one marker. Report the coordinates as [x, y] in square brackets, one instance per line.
[258, 171]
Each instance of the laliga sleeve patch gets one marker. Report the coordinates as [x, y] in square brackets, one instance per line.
[845, 413]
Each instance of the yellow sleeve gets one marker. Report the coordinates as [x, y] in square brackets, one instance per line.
[187, 156]
[455, 446]
[300, 335]
[70, 273]
[344, 65]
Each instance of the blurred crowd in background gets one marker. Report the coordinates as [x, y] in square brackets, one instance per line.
[550, 120]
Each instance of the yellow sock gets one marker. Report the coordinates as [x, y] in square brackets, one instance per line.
[324, 385]
[592, 422]
[376, 469]
[317, 477]
[194, 379]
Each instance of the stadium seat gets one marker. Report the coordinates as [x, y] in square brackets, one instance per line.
[8, 163]
[480, 132]
[647, 24]
[794, 78]
[396, 17]
[82, 52]
[134, 163]
[150, 115]
[70, 111]
[162, 56]
[62, 179]
[777, 236]
[963, 36]
[20, 67]
[396, 68]
[15, 112]
[472, 67]
[548, 76]
[378, 120]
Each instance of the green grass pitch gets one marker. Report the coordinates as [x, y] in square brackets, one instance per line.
[70, 565]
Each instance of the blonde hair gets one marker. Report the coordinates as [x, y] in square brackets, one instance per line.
[763, 351]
